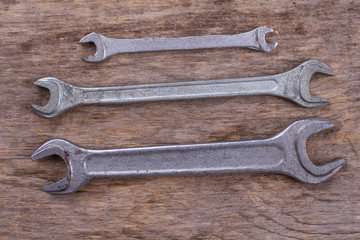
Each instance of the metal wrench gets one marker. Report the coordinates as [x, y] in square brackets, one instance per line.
[106, 47]
[284, 153]
[292, 85]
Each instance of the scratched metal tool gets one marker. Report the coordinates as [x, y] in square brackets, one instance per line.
[284, 153]
[292, 85]
[106, 47]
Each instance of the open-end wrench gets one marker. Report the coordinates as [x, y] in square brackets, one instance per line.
[292, 85]
[284, 153]
[106, 47]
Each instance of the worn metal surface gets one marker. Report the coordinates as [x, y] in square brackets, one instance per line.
[38, 39]
[292, 85]
[106, 47]
[284, 153]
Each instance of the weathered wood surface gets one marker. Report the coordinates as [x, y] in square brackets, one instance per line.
[39, 38]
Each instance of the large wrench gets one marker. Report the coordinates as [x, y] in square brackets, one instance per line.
[284, 153]
[292, 85]
[106, 47]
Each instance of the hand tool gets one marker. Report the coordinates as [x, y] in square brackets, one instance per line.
[284, 153]
[106, 47]
[292, 85]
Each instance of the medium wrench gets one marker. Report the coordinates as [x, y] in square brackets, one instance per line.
[284, 153]
[292, 85]
[106, 47]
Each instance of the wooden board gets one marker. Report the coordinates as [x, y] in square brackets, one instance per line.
[39, 38]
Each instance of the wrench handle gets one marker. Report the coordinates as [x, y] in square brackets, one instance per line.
[181, 90]
[230, 157]
[243, 40]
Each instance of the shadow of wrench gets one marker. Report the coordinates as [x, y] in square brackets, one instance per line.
[106, 47]
[292, 85]
[284, 153]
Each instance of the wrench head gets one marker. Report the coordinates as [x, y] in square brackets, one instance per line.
[298, 164]
[96, 39]
[59, 91]
[264, 46]
[73, 157]
[301, 75]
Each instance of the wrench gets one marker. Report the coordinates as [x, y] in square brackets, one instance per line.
[106, 47]
[292, 85]
[284, 153]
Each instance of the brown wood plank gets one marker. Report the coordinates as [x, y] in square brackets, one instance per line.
[39, 38]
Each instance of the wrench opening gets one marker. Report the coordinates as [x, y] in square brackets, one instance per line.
[60, 97]
[298, 92]
[298, 163]
[264, 46]
[96, 39]
[55, 95]
[75, 177]
[307, 69]
[314, 126]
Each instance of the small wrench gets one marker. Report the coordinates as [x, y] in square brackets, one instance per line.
[284, 153]
[292, 85]
[106, 47]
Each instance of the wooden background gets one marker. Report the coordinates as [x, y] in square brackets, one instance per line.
[39, 38]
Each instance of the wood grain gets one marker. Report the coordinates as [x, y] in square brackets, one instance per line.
[39, 38]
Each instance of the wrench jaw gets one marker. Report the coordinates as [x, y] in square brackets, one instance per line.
[60, 97]
[298, 92]
[73, 157]
[98, 40]
[263, 45]
[297, 163]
